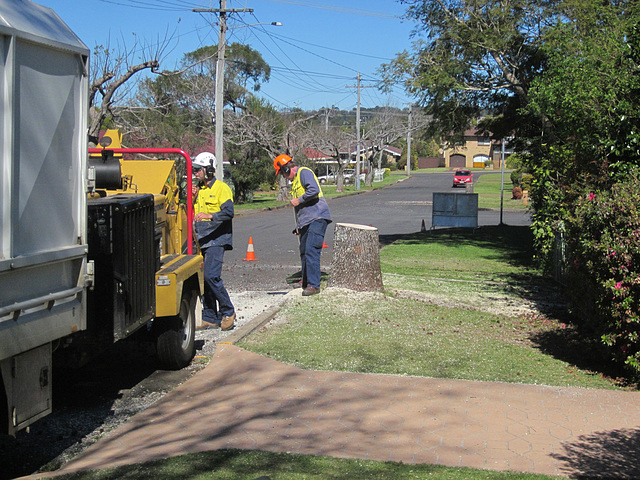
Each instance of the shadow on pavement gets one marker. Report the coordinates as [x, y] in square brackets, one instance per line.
[586, 458]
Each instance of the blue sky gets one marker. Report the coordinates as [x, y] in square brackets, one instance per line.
[314, 55]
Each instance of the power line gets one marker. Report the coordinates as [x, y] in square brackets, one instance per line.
[304, 77]
[321, 89]
[298, 71]
[147, 5]
[285, 70]
[177, 5]
[219, 93]
[319, 56]
[319, 74]
[364, 77]
[283, 52]
[274, 99]
[333, 49]
[337, 9]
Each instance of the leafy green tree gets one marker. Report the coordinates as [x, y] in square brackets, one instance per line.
[176, 108]
[585, 162]
[588, 98]
[251, 167]
[245, 70]
[559, 75]
[471, 56]
[564, 78]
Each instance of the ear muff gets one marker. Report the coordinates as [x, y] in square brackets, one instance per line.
[280, 164]
[207, 161]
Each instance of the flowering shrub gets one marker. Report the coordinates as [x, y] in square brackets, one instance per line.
[525, 181]
[516, 193]
[604, 239]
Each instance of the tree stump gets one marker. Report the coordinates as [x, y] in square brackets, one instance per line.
[356, 258]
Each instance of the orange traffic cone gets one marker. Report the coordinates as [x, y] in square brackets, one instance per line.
[251, 256]
[324, 245]
[423, 229]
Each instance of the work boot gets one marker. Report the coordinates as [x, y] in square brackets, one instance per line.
[209, 326]
[307, 292]
[227, 322]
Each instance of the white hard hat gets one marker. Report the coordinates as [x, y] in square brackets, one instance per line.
[204, 159]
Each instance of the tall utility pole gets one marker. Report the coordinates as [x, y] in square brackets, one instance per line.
[409, 145]
[327, 113]
[358, 86]
[219, 106]
[501, 180]
[219, 126]
[358, 138]
[219, 102]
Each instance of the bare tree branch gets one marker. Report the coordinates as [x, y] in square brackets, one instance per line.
[112, 69]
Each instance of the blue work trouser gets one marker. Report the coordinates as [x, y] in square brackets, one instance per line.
[215, 301]
[311, 241]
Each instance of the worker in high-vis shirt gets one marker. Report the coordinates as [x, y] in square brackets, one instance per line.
[312, 218]
[213, 207]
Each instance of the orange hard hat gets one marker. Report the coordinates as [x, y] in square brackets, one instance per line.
[280, 161]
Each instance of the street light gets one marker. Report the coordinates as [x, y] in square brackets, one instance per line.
[277, 24]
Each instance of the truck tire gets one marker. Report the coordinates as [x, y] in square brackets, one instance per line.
[175, 343]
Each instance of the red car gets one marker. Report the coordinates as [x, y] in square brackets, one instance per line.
[462, 177]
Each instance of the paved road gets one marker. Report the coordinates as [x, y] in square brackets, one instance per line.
[395, 210]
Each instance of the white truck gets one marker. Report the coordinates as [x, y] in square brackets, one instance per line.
[78, 272]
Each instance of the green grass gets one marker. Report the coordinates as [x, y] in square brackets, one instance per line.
[430, 170]
[261, 201]
[399, 336]
[462, 253]
[251, 465]
[458, 304]
[329, 189]
[268, 200]
[488, 189]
